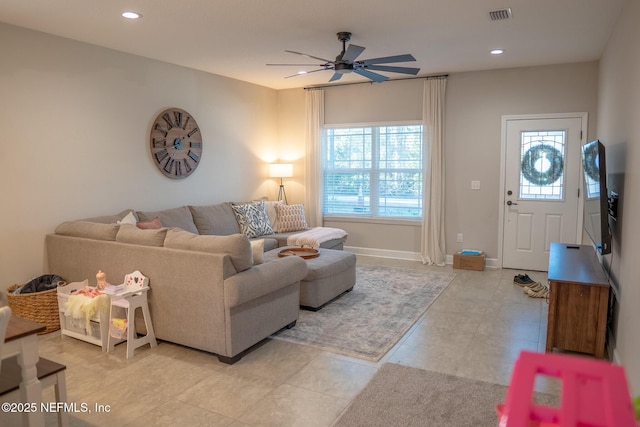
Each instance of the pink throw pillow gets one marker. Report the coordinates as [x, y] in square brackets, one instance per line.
[153, 224]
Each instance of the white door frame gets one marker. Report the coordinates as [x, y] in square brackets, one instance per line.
[503, 164]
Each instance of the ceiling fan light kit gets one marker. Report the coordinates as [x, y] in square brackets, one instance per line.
[346, 63]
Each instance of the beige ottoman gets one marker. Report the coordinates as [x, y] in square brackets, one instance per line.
[329, 276]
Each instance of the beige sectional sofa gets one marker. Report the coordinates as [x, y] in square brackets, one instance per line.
[207, 291]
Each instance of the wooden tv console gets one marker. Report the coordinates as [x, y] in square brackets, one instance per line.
[578, 300]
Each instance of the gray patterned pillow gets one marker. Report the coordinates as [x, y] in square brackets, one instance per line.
[252, 219]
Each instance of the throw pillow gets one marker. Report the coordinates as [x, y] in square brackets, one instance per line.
[257, 247]
[129, 219]
[153, 224]
[291, 218]
[270, 209]
[252, 219]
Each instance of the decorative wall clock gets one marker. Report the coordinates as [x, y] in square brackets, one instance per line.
[176, 143]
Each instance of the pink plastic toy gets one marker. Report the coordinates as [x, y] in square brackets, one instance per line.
[594, 393]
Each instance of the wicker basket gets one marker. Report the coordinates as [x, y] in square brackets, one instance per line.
[40, 307]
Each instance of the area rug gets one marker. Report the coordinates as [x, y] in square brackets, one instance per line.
[366, 322]
[402, 396]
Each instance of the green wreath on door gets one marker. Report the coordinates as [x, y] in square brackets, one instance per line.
[590, 163]
[548, 176]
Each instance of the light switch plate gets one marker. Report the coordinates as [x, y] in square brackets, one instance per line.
[475, 185]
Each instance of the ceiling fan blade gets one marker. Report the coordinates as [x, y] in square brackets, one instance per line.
[397, 58]
[310, 56]
[403, 70]
[336, 76]
[353, 51]
[307, 72]
[295, 65]
[378, 78]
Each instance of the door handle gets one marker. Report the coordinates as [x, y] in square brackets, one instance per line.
[509, 203]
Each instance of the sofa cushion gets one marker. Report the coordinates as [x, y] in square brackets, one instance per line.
[88, 230]
[291, 218]
[215, 219]
[176, 217]
[237, 246]
[252, 219]
[270, 242]
[109, 219]
[148, 237]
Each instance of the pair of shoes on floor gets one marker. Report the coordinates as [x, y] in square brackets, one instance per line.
[523, 280]
[536, 290]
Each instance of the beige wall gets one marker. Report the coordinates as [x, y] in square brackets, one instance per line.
[619, 130]
[75, 121]
[374, 103]
[476, 102]
[291, 140]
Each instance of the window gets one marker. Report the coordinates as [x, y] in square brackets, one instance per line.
[373, 171]
[542, 164]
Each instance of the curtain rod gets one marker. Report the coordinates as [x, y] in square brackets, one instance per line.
[440, 76]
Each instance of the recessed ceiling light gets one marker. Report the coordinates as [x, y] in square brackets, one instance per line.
[497, 51]
[131, 15]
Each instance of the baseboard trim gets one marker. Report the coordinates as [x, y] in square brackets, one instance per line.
[616, 357]
[384, 253]
[612, 350]
[406, 255]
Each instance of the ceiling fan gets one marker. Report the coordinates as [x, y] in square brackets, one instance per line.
[346, 63]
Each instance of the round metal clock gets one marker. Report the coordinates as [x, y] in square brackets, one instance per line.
[176, 143]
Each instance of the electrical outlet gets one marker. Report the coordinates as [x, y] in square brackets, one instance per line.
[459, 237]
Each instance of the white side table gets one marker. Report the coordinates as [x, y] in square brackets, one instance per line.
[130, 302]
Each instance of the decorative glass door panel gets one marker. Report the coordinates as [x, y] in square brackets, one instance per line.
[542, 160]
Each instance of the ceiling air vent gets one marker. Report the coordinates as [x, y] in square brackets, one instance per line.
[500, 15]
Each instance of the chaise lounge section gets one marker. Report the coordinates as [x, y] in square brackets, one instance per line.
[329, 275]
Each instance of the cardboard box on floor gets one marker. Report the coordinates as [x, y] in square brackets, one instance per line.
[469, 262]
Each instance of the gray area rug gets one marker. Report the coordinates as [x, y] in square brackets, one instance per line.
[367, 322]
[403, 396]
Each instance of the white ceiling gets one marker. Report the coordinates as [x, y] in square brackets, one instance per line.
[237, 38]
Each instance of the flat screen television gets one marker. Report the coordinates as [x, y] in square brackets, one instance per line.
[596, 205]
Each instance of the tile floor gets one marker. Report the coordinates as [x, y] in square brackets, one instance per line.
[475, 329]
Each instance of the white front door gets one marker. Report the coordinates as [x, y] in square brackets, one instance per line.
[541, 170]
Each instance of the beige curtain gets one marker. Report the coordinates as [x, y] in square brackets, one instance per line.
[433, 243]
[314, 114]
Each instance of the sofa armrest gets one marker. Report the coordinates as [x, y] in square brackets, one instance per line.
[263, 279]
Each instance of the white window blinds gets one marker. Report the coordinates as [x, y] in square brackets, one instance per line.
[373, 171]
